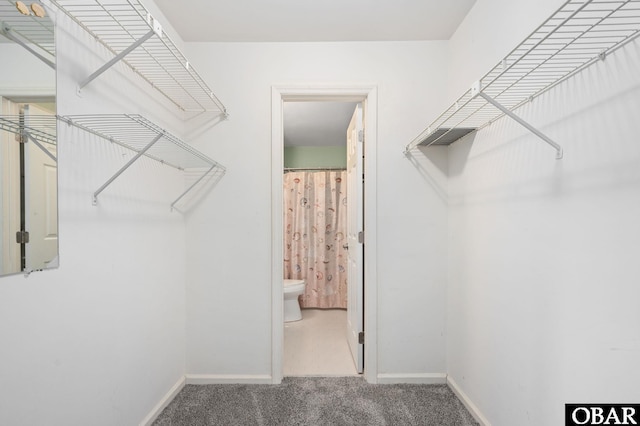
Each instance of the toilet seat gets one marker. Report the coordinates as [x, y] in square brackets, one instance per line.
[292, 286]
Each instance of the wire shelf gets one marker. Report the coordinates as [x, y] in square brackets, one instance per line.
[120, 24]
[145, 138]
[580, 33]
[134, 132]
[40, 127]
[29, 29]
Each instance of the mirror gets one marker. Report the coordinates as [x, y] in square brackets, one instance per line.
[28, 154]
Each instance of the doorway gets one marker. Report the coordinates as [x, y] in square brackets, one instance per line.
[316, 247]
[367, 97]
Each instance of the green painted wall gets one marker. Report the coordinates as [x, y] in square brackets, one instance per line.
[315, 156]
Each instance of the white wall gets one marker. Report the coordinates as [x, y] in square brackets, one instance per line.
[35, 77]
[543, 272]
[229, 235]
[101, 339]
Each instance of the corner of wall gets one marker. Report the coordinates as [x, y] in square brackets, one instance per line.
[468, 403]
[164, 402]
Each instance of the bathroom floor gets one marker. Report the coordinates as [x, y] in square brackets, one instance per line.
[317, 345]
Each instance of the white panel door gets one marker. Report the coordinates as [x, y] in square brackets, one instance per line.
[41, 202]
[355, 226]
[10, 259]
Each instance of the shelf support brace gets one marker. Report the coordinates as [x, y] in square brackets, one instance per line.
[475, 90]
[192, 186]
[6, 30]
[125, 167]
[39, 145]
[116, 58]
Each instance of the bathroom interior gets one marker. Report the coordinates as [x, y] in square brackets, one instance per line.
[315, 243]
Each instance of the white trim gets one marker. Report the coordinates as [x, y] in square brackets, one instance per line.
[277, 232]
[166, 400]
[325, 375]
[225, 379]
[413, 378]
[345, 93]
[371, 236]
[27, 92]
[473, 409]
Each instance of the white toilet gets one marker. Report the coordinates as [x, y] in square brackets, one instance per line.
[292, 289]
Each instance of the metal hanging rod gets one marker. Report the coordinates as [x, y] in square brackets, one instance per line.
[133, 36]
[577, 35]
[145, 138]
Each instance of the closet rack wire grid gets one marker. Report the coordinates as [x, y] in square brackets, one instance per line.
[127, 29]
[136, 133]
[578, 34]
[40, 127]
[28, 30]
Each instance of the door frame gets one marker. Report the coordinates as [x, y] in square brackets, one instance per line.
[368, 95]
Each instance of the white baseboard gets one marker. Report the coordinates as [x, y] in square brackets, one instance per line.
[413, 378]
[475, 412]
[215, 379]
[155, 412]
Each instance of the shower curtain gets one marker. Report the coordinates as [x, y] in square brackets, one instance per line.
[315, 218]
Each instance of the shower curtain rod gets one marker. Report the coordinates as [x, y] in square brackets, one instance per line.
[311, 169]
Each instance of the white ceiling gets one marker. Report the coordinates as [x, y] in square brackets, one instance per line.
[314, 123]
[314, 20]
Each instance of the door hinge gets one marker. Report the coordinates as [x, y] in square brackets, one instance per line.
[361, 237]
[22, 237]
[360, 135]
[361, 338]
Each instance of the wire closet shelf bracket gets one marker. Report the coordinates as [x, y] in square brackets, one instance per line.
[145, 138]
[38, 129]
[136, 38]
[33, 33]
[577, 35]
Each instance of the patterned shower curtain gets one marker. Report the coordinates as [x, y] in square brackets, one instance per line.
[315, 221]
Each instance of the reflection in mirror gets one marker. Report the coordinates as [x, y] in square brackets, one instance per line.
[28, 165]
